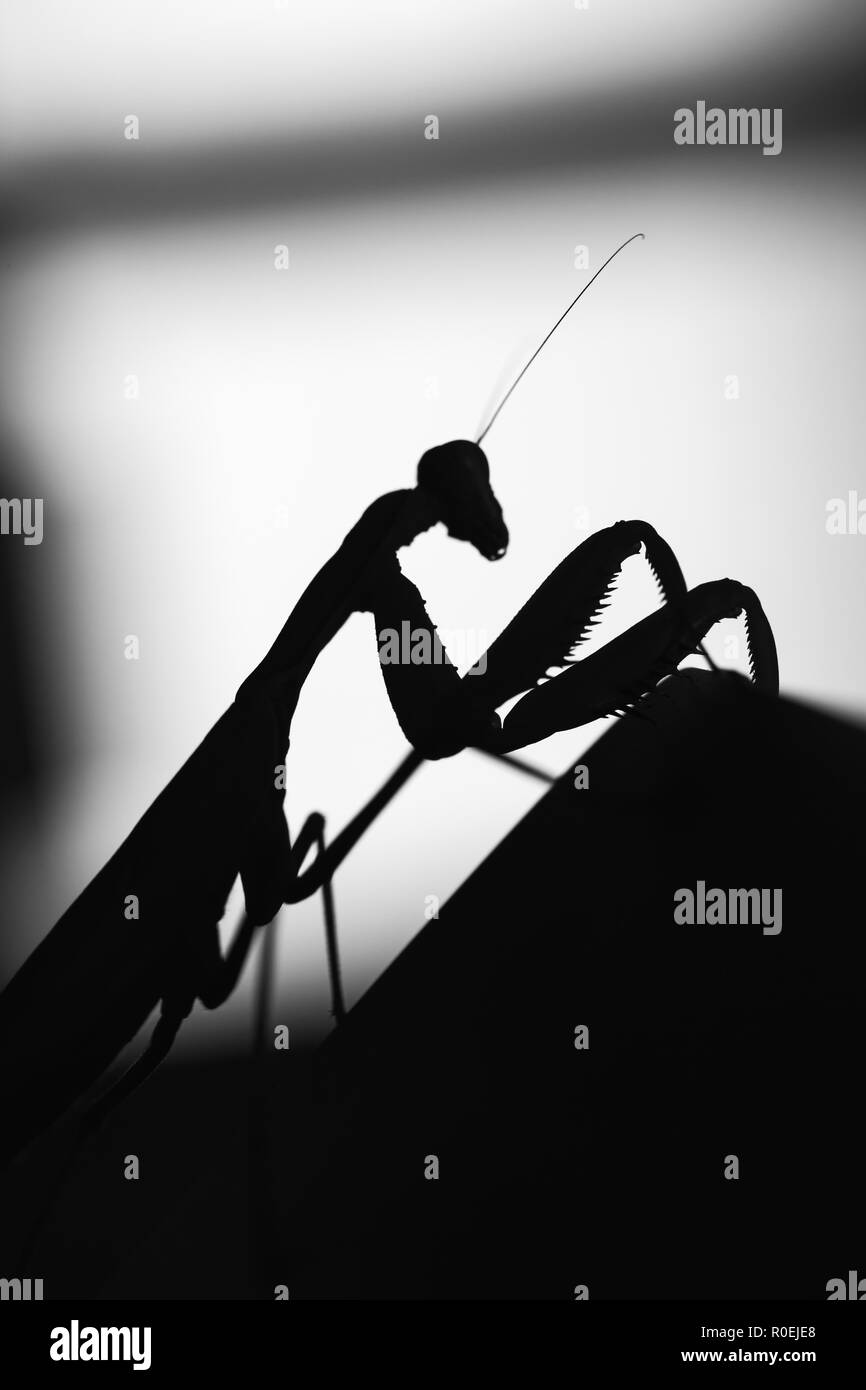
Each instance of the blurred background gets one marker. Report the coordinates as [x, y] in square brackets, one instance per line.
[204, 426]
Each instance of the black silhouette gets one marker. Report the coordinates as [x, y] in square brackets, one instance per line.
[559, 1167]
[605, 1166]
[97, 975]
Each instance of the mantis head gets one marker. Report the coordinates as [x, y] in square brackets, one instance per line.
[457, 478]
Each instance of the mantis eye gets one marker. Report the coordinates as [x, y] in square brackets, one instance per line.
[457, 475]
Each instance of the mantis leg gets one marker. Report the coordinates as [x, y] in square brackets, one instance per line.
[167, 1027]
[439, 712]
[618, 676]
[217, 976]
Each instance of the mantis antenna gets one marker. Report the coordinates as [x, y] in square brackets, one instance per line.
[522, 373]
[637, 235]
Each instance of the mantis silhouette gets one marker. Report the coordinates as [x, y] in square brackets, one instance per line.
[92, 983]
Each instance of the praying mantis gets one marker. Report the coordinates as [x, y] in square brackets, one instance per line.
[95, 979]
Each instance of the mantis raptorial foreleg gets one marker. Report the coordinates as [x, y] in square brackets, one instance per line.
[440, 713]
